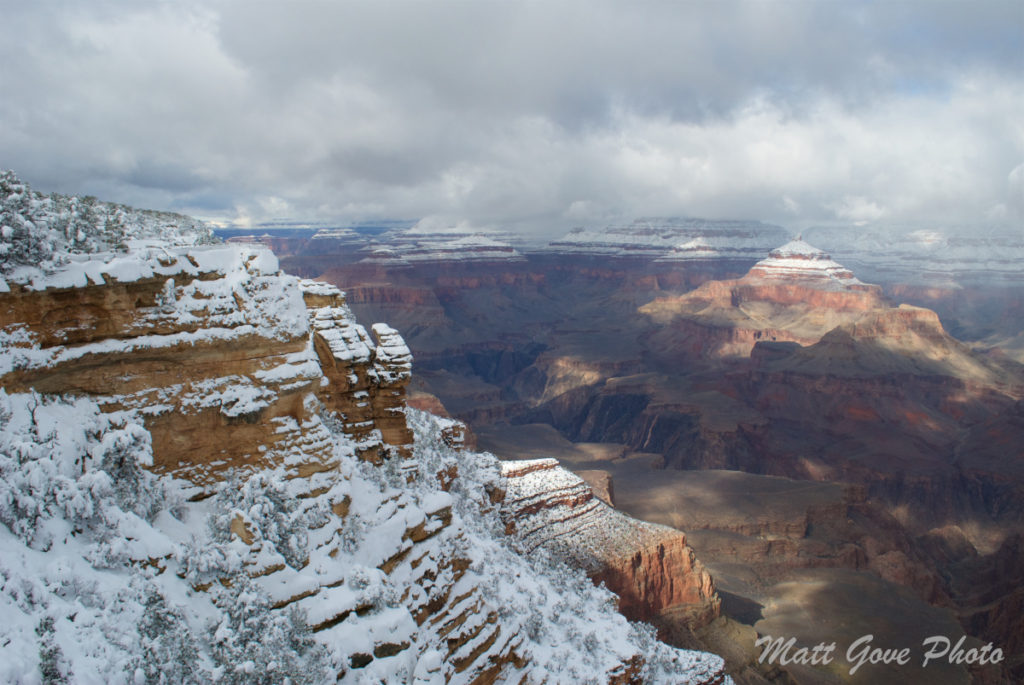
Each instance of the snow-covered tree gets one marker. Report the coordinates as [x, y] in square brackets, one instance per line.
[270, 512]
[252, 644]
[51, 659]
[168, 654]
[23, 238]
[39, 230]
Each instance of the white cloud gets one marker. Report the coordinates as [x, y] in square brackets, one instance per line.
[537, 116]
[1015, 191]
[859, 210]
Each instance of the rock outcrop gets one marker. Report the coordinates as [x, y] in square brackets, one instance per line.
[214, 352]
[650, 567]
[799, 261]
[797, 294]
[214, 366]
[366, 380]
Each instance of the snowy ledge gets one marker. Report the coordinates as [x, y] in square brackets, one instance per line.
[145, 259]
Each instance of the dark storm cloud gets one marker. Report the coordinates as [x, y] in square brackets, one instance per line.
[536, 115]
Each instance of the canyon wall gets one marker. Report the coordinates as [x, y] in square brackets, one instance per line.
[650, 567]
[237, 371]
[215, 354]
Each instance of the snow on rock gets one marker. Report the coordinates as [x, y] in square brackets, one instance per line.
[796, 294]
[363, 382]
[393, 358]
[177, 333]
[800, 261]
[675, 239]
[43, 231]
[348, 341]
[318, 289]
[649, 566]
[431, 241]
[203, 509]
[336, 235]
[107, 572]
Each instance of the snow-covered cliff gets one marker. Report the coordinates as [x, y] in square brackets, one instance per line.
[208, 473]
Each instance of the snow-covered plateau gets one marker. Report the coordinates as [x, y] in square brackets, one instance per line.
[675, 239]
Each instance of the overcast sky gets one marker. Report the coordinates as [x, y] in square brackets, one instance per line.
[536, 115]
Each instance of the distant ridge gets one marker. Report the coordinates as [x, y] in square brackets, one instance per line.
[675, 239]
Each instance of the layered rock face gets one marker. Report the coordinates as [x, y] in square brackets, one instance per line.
[825, 381]
[366, 381]
[669, 353]
[800, 261]
[797, 294]
[650, 567]
[213, 365]
[674, 239]
[214, 351]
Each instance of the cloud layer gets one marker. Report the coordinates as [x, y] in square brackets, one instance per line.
[536, 116]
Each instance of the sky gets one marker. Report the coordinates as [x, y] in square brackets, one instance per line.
[529, 116]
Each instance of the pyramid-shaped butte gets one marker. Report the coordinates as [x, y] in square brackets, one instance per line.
[800, 261]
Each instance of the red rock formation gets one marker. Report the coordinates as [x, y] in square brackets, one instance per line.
[797, 294]
[650, 567]
[659, 579]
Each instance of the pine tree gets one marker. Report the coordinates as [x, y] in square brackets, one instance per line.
[169, 653]
[22, 241]
[259, 645]
[51, 658]
[135, 490]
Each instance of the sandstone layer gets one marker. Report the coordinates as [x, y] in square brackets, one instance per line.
[651, 568]
[233, 367]
[217, 357]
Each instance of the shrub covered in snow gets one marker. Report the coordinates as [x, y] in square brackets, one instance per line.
[97, 556]
[270, 513]
[88, 478]
[108, 576]
[37, 229]
[252, 644]
[77, 509]
[168, 651]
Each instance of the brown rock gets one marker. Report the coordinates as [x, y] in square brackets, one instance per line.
[600, 482]
[649, 566]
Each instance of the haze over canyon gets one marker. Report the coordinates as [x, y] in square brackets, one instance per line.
[816, 436]
[530, 343]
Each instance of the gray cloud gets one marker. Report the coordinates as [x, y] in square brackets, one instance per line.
[533, 115]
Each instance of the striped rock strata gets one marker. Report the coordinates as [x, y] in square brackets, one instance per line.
[217, 356]
[649, 566]
[233, 367]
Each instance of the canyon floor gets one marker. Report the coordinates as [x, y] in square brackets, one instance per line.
[844, 457]
[775, 573]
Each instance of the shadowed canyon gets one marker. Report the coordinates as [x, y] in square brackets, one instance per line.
[838, 435]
